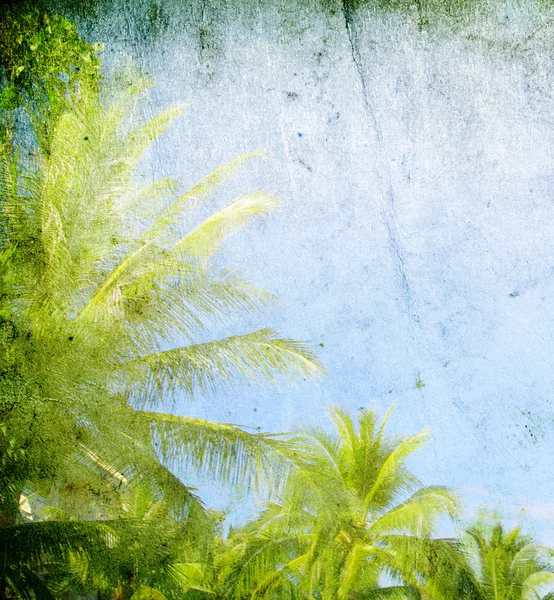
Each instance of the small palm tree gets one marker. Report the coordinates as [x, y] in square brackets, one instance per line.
[506, 565]
[351, 513]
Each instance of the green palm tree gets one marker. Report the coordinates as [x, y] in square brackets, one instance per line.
[351, 513]
[506, 565]
[108, 291]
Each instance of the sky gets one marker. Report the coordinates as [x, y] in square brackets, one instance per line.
[413, 246]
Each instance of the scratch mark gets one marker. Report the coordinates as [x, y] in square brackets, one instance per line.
[528, 329]
[389, 210]
[357, 60]
[305, 165]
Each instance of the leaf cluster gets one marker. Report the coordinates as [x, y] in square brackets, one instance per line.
[43, 55]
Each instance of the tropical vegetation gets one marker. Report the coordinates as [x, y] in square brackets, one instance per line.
[111, 298]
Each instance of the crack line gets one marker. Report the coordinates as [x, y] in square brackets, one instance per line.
[389, 209]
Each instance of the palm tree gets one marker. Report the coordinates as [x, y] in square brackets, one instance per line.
[106, 301]
[505, 565]
[350, 513]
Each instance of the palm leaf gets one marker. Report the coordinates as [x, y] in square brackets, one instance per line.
[205, 239]
[228, 453]
[542, 581]
[393, 462]
[417, 515]
[199, 191]
[258, 357]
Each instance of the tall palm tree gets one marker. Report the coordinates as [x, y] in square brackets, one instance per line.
[108, 289]
[351, 513]
[505, 565]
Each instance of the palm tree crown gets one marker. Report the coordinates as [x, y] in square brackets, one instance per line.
[506, 565]
[351, 513]
[107, 294]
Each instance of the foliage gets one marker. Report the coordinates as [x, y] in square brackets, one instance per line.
[27, 552]
[38, 49]
[99, 286]
[43, 65]
[106, 305]
[351, 512]
[110, 290]
[506, 565]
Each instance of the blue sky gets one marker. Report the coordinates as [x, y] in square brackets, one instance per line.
[413, 246]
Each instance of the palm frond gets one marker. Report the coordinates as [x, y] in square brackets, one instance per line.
[190, 576]
[145, 592]
[32, 544]
[393, 462]
[206, 238]
[258, 357]
[349, 573]
[419, 514]
[538, 585]
[199, 191]
[228, 453]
